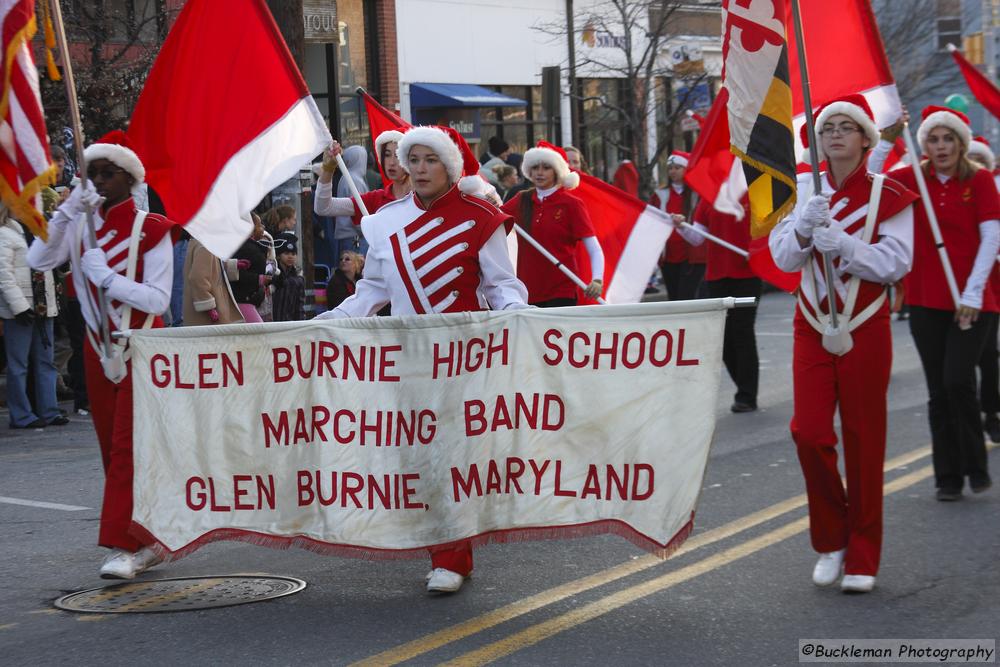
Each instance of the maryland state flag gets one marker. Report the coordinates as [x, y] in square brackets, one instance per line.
[755, 72]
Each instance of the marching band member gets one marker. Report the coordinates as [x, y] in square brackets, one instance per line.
[386, 144]
[865, 222]
[681, 264]
[133, 263]
[429, 252]
[950, 339]
[558, 221]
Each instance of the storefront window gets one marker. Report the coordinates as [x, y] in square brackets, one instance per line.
[603, 134]
[352, 72]
[521, 127]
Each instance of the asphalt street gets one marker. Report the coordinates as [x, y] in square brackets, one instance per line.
[738, 593]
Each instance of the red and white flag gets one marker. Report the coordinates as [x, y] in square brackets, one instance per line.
[984, 90]
[380, 120]
[225, 118]
[631, 233]
[25, 163]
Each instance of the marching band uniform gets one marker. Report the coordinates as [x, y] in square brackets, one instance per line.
[872, 224]
[558, 220]
[968, 212]
[433, 259]
[327, 205]
[682, 263]
[133, 262]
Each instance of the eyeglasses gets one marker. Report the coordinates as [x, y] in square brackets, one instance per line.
[107, 173]
[841, 130]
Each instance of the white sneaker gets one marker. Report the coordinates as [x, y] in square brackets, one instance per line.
[828, 568]
[857, 583]
[440, 580]
[121, 564]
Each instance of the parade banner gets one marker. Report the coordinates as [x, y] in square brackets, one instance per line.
[381, 437]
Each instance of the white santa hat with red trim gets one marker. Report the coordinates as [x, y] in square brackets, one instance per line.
[679, 158]
[935, 116]
[555, 157]
[114, 147]
[854, 107]
[980, 149]
[459, 160]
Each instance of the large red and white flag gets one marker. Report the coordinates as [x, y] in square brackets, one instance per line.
[631, 233]
[225, 118]
[25, 163]
[984, 90]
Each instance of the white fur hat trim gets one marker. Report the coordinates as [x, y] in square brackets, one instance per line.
[564, 176]
[979, 149]
[387, 137]
[852, 111]
[121, 156]
[437, 141]
[944, 119]
[677, 159]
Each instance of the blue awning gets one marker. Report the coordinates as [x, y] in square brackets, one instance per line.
[423, 95]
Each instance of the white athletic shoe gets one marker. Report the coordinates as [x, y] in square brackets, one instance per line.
[440, 580]
[828, 568]
[857, 583]
[121, 564]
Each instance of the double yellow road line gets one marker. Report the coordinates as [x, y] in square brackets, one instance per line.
[538, 632]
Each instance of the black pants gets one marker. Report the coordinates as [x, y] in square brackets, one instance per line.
[739, 347]
[989, 373]
[72, 318]
[682, 280]
[556, 303]
[949, 357]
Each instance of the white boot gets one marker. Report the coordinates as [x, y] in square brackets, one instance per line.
[828, 568]
[121, 564]
[857, 583]
[440, 580]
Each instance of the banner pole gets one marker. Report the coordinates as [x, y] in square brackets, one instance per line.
[552, 258]
[81, 160]
[814, 158]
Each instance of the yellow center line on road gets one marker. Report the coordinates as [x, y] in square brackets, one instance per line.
[454, 633]
[536, 633]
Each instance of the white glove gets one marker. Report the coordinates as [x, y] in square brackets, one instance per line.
[833, 240]
[816, 213]
[83, 195]
[95, 266]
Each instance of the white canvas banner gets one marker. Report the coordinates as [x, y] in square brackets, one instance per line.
[382, 437]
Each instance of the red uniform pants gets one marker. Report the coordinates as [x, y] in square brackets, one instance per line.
[857, 383]
[457, 559]
[111, 410]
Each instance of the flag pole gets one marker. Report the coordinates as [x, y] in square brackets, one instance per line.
[814, 160]
[925, 196]
[355, 195]
[552, 258]
[74, 112]
[715, 239]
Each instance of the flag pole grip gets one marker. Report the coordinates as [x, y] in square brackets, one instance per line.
[552, 258]
[81, 160]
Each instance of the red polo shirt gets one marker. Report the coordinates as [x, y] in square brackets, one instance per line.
[558, 223]
[960, 207]
[722, 262]
[678, 250]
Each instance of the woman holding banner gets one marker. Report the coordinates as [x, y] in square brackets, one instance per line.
[558, 221]
[399, 181]
[950, 334]
[865, 223]
[434, 251]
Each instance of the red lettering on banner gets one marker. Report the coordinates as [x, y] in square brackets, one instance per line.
[319, 359]
[492, 478]
[409, 491]
[215, 370]
[515, 468]
[555, 349]
[377, 428]
[668, 342]
[201, 493]
[648, 491]
[559, 491]
[458, 357]
[681, 361]
[503, 477]
[196, 498]
[161, 377]
[553, 414]
[389, 491]
[591, 486]
[465, 484]
[620, 483]
[538, 472]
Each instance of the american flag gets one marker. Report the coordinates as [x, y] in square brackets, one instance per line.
[25, 163]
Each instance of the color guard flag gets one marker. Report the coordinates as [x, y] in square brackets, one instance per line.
[25, 163]
[225, 118]
[755, 71]
[981, 87]
[380, 120]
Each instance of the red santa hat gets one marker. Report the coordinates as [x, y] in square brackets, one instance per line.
[555, 157]
[979, 148]
[854, 107]
[459, 160]
[935, 116]
[679, 158]
[114, 147]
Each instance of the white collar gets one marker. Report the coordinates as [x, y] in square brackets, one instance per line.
[677, 187]
[542, 194]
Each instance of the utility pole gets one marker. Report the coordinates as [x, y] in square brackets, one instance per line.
[574, 121]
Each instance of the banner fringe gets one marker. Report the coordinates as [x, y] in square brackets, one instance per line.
[507, 536]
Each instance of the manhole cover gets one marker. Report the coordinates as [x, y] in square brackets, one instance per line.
[179, 594]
